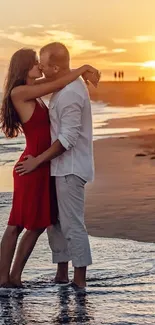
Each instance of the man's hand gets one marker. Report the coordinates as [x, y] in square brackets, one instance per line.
[28, 165]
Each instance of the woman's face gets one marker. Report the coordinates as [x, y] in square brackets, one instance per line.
[35, 72]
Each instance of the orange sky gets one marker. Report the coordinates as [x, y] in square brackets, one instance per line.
[110, 34]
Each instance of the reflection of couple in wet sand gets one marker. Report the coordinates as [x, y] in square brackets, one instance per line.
[49, 179]
[69, 307]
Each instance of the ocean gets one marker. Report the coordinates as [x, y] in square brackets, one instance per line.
[121, 280]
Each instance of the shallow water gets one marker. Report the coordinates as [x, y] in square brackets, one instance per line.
[120, 291]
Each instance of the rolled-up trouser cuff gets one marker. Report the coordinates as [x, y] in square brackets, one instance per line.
[61, 257]
[81, 263]
[80, 250]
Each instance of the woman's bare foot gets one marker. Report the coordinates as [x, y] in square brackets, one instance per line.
[4, 282]
[16, 283]
[5, 285]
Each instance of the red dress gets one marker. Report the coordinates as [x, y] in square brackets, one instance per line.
[34, 199]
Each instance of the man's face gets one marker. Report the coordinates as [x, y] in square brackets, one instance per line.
[47, 67]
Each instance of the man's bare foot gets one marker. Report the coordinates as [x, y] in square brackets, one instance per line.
[60, 280]
[62, 273]
[77, 286]
[80, 277]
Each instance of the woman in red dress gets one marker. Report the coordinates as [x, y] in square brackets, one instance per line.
[22, 111]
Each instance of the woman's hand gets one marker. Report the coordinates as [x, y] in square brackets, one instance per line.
[26, 166]
[91, 75]
[93, 78]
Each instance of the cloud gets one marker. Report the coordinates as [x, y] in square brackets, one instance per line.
[36, 26]
[14, 27]
[55, 26]
[149, 64]
[128, 64]
[27, 26]
[118, 50]
[145, 39]
[76, 44]
[82, 50]
[17, 37]
[135, 39]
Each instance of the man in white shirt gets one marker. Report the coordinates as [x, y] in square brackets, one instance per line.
[71, 124]
[71, 133]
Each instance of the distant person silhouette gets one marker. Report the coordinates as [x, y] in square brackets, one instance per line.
[119, 75]
[122, 75]
[115, 75]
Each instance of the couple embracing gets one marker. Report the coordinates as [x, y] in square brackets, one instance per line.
[50, 176]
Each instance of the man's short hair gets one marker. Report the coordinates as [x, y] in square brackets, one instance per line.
[58, 53]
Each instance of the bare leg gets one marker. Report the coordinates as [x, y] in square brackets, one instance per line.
[8, 246]
[25, 249]
[62, 273]
[80, 277]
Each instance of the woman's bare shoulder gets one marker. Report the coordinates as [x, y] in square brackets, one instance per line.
[16, 92]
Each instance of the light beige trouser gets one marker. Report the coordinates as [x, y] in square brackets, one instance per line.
[69, 239]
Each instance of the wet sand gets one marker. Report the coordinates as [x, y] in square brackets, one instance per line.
[121, 201]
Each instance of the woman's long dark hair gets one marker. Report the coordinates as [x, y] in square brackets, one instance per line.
[21, 62]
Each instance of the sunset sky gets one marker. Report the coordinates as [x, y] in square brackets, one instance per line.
[110, 34]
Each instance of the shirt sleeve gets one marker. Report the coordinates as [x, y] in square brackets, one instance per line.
[69, 108]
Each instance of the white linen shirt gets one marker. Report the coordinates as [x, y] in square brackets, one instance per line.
[71, 123]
